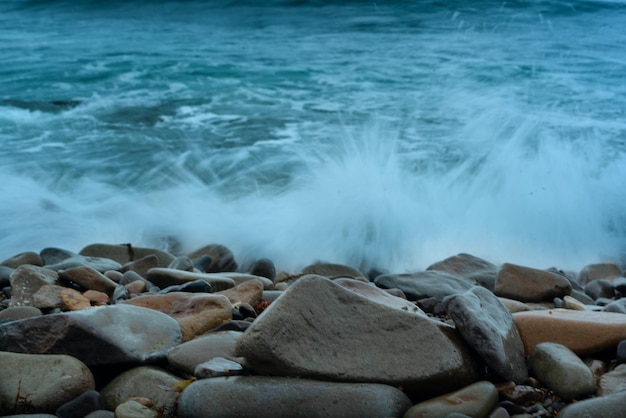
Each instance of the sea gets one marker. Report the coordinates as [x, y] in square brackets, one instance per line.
[384, 135]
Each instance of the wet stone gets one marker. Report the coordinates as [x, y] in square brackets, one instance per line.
[610, 406]
[264, 267]
[89, 279]
[123, 254]
[600, 289]
[221, 259]
[73, 300]
[82, 405]
[469, 267]
[530, 285]
[333, 271]
[183, 263]
[426, 284]
[187, 356]
[598, 271]
[217, 366]
[19, 312]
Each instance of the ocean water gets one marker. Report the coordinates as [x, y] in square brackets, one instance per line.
[386, 134]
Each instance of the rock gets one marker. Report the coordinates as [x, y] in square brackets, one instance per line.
[26, 280]
[613, 381]
[610, 406]
[334, 271]
[101, 414]
[514, 305]
[320, 329]
[73, 300]
[96, 298]
[221, 258]
[5, 273]
[476, 400]
[115, 334]
[196, 313]
[571, 303]
[583, 332]
[621, 352]
[89, 279]
[134, 409]
[126, 253]
[377, 295]
[470, 267]
[600, 289]
[618, 306]
[150, 382]
[487, 325]
[23, 258]
[530, 285]
[48, 297]
[164, 277]
[141, 266]
[187, 356]
[183, 263]
[19, 312]
[270, 397]
[250, 292]
[239, 278]
[619, 284]
[425, 284]
[82, 405]
[520, 394]
[591, 272]
[196, 286]
[217, 366]
[40, 383]
[581, 297]
[264, 267]
[562, 371]
[57, 259]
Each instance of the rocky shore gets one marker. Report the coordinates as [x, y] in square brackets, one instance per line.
[123, 331]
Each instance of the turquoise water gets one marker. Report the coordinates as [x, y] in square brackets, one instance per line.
[385, 134]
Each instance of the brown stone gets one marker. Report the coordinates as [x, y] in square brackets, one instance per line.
[48, 297]
[583, 332]
[599, 271]
[530, 285]
[96, 298]
[142, 265]
[125, 253]
[23, 258]
[26, 280]
[89, 278]
[164, 277]
[250, 292]
[136, 287]
[333, 271]
[196, 313]
[470, 267]
[222, 258]
[73, 300]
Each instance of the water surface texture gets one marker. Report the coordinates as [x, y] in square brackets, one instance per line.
[387, 134]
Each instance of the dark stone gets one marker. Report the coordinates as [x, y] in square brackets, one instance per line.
[196, 286]
[120, 293]
[469, 267]
[619, 284]
[82, 405]
[232, 326]
[512, 408]
[621, 352]
[425, 284]
[432, 306]
[246, 310]
[264, 267]
[182, 263]
[558, 302]
[202, 263]
[222, 258]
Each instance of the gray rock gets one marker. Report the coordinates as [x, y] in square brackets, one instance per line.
[134, 409]
[75, 260]
[469, 267]
[26, 280]
[104, 335]
[53, 255]
[610, 406]
[23, 258]
[530, 285]
[126, 253]
[217, 366]
[19, 312]
[85, 403]
[618, 306]
[240, 278]
[183, 263]
[600, 289]
[40, 383]
[164, 277]
[150, 382]
[487, 325]
[333, 271]
[101, 414]
[562, 371]
[476, 400]
[187, 356]
[142, 265]
[264, 267]
[599, 271]
[613, 381]
[425, 284]
[270, 397]
[319, 329]
[581, 297]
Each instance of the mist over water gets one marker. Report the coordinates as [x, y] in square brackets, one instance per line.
[387, 135]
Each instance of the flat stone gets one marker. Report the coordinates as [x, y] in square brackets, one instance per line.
[270, 397]
[574, 304]
[126, 253]
[196, 313]
[164, 277]
[583, 332]
[217, 366]
[154, 383]
[599, 271]
[562, 371]
[469, 267]
[514, 305]
[613, 381]
[114, 334]
[487, 325]
[530, 285]
[40, 383]
[476, 400]
[196, 286]
[221, 258]
[333, 271]
[240, 278]
[425, 284]
[610, 406]
[73, 300]
[89, 279]
[320, 329]
[137, 287]
[26, 280]
[250, 291]
[187, 356]
[28, 257]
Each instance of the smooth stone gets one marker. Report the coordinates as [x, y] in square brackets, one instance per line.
[96, 298]
[619, 284]
[583, 332]
[617, 306]
[240, 278]
[264, 267]
[114, 334]
[5, 274]
[126, 253]
[425, 284]
[514, 305]
[100, 264]
[610, 406]
[334, 271]
[26, 280]
[270, 397]
[74, 301]
[19, 312]
[182, 262]
[487, 326]
[319, 329]
[621, 352]
[154, 383]
[377, 295]
[250, 292]
[164, 277]
[48, 297]
[89, 279]
[187, 356]
[476, 400]
[196, 313]
[85, 403]
[28, 257]
[530, 285]
[196, 286]
[40, 383]
[52, 255]
[599, 271]
[574, 304]
[141, 266]
[613, 381]
[221, 258]
[581, 296]
[469, 267]
[101, 414]
[217, 366]
[134, 409]
[600, 288]
[562, 371]
[137, 287]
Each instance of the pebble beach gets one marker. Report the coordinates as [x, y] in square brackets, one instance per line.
[125, 331]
